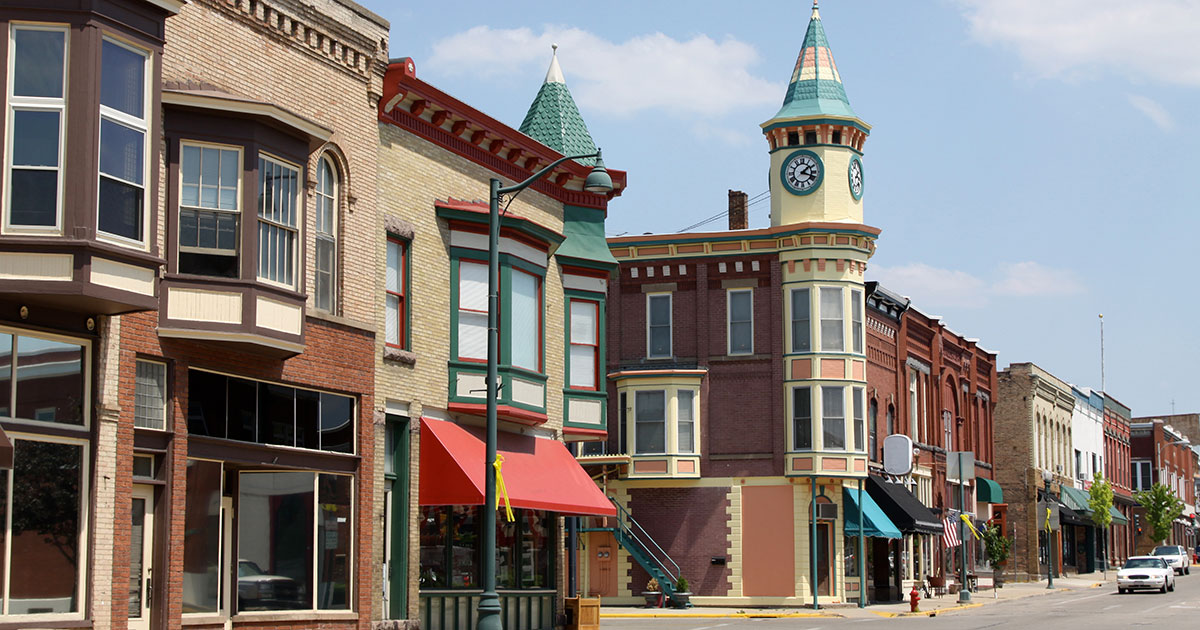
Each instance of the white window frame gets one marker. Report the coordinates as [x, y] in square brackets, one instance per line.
[594, 304]
[793, 418]
[239, 248]
[650, 297]
[142, 125]
[729, 322]
[858, 412]
[165, 389]
[845, 439]
[793, 320]
[841, 317]
[1137, 477]
[695, 421]
[29, 103]
[857, 341]
[913, 403]
[330, 233]
[401, 296]
[666, 420]
[297, 228]
[84, 560]
[87, 377]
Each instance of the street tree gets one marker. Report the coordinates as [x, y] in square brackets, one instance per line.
[1100, 502]
[996, 547]
[1162, 508]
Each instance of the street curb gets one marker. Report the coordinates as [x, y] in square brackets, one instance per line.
[932, 613]
[716, 615]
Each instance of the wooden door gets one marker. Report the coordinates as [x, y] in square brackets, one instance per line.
[824, 560]
[602, 564]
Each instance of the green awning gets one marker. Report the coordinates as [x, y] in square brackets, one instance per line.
[1117, 517]
[1077, 500]
[876, 525]
[988, 491]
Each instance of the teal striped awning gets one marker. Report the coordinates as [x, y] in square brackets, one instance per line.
[876, 523]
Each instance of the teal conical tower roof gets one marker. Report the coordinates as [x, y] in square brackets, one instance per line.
[816, 87]
[554, 120]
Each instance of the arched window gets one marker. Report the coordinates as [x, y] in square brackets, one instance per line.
[327, 191]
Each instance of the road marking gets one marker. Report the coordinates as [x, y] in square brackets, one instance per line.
[1111, 607]
[1079, 599]
[710, 627]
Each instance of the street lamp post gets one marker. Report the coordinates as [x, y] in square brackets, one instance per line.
[1047, 476]
[598, 181]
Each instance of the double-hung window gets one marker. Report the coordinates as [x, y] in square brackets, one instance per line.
[209, 209]
[525, 329]
[658, 326]
[585, 344]
[278, 221]
[801, 328]
[801, 418]
[832, 314]
[650, 420]
[856, 320]
[833, 418]
[472, 310]
[124, 125]
[685, 420]
[397, 288]
[740, 308]
[36, 112]
[326, 240]
[859, 443]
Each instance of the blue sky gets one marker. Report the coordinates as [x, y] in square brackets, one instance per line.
[1031, 162]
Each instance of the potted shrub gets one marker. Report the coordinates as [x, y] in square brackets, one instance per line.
[681, 598]
[653, 594]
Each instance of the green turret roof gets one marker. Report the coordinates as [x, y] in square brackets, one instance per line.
[554, 120]
[816, 87]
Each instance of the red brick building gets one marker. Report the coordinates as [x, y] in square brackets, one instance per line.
[1118, 471]
[1161, 454]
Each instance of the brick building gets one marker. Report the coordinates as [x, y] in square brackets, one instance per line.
[436, 154]
[1118, 471]
[1162, 454]
[938, 388]
[737, 364]
[188, 345]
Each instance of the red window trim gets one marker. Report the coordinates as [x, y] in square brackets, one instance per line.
[595, 346]
[541, 355]
[401, 310]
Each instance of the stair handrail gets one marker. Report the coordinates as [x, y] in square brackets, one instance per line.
[622, 512]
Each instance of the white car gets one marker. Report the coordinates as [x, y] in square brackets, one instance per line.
[1151, 572]
[1176, 556]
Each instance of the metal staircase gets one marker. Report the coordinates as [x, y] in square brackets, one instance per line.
[634, 539]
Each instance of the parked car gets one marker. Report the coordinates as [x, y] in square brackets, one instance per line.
[1175, 555]
[258, 590]
[1150, 572]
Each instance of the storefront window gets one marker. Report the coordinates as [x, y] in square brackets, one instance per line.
[49, 380]
[202, 538]
[452, 537]
[850, 550]
[335, 526]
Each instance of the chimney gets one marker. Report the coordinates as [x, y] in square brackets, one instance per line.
[737, 210]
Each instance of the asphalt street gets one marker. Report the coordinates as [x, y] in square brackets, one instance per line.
[1090, 609]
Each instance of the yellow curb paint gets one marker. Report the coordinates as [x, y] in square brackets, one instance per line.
[714, 615]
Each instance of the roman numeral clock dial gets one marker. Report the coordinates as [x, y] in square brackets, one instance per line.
[802, 172]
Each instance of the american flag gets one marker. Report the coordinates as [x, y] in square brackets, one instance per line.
[950, 532]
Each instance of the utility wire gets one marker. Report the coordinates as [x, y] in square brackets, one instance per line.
[759, 198]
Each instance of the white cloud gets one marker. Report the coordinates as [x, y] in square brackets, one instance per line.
[1155, 112]
[731, 137]
[698, 75]
[934, 287]
[1143, 40]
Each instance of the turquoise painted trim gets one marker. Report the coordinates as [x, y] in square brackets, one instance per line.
[820, 173]
[834, 146]
[506, 372]
[798, 122]
[527, 374]
[507, 263]
[511, 261]
[519, 224]
[585, 395]
[876, 524]
[584, 229]
[584, 262]
[850, 177]
[480, 255]
[398, 583]
[601, 316]
[742, 237]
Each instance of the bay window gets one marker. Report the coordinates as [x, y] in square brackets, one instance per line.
[856, 320]
[857, 404]
[833, 418]
[685, 421]
[585, 344]
[832, 324]
[801, 331]
[36, 111]
[520, 318]
[325, 262]
[124, 126]
[51, 379]
[801, 418]
[209, 209]
[278, 218]
[650, 420]
[395, 311]
[740, 324]
[525, 325]
[472, 310]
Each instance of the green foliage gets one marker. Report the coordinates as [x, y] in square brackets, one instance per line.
[681, 585]
[652, 586]
[1100, 502]
[1162, 508]
[995, 545]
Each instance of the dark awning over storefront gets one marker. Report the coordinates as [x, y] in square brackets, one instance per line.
[1117, 517]
[904, 510]
[988, 491]
[539, 473]
[875, 523]
[1078, 506]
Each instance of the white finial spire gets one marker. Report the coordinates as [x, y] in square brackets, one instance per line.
[816, 15]
[554, 74]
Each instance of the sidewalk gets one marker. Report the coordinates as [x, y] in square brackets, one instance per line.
[928, 607]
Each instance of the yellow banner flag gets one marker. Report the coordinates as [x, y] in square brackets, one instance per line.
[1048, 517]
[501, 489]
[966, 519]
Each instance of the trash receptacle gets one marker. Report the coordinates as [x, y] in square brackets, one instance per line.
[583, 613]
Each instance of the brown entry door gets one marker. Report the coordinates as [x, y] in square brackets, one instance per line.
[824, 560]
[602, 573]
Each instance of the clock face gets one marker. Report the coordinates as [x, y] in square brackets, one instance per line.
[856, 178]
[802, 172]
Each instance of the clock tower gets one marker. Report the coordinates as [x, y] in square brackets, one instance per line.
[816, 142]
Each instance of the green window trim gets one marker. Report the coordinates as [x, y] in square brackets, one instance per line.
[508, 263]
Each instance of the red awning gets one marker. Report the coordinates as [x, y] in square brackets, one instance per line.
[540, 474]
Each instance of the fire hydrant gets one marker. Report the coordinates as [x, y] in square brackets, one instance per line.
[913, 598]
